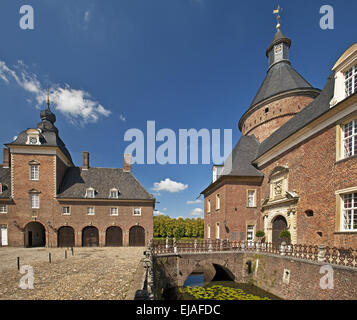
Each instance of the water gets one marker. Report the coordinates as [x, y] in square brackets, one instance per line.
[195, 289]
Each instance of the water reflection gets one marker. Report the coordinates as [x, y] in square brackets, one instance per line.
[195, 289]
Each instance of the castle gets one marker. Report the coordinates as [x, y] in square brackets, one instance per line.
[45, 200]
[295, 166]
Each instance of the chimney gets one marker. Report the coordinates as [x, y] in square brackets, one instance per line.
[85, 160]
[6, 155]
[127, 162]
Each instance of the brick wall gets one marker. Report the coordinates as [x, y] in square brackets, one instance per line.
[50, 215]
[234, 210]
[267, 119]
[315, 176]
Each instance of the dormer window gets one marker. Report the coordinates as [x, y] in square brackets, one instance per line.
[33, 137]
[351, 81]
[90, 193]
[114, 194]
[345, 75]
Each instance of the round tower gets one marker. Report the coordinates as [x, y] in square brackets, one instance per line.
[283, 93]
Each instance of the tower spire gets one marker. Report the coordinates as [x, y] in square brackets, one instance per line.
[277, 11]
[48, 98]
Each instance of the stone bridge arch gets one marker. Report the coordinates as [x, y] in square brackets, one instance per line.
[231, 264]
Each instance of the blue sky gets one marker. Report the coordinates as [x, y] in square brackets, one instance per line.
[116, 64]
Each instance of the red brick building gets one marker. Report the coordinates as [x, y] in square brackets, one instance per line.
[45, 200]
[295, 166]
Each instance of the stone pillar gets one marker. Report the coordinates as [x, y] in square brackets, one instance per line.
[210, 245]
[283, 248]
[321, 254]
[174, 245]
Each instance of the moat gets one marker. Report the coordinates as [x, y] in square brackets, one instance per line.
[219, 289]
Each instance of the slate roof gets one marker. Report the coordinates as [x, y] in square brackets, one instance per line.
[5, 180]
[281, 77]
[278, 38]
[242, 156]
[50, 139]
[77, 181]
[314, 110]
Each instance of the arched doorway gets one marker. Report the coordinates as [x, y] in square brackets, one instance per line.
[279, 224]
[114, 237]
[35, 235]
[137, 237]
[65, 237]
[90, 237]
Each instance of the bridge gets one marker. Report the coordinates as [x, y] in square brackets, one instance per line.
[290, 271]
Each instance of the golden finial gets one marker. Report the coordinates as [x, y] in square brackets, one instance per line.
[277, 12]
[48, 98]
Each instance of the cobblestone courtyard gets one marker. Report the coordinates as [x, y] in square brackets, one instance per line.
[91, 274]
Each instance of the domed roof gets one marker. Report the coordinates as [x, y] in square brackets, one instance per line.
[281, 78]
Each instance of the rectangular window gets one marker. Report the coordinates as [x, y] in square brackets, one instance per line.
[3, 208]
[251, 199]
[114, 194]
[209, 206]
[208, 231]
[35, 201]
[113, 211]
[66, 211]
[351, 81]
[34, 172]
[349, 212]
[90, 193]
[90, 211]
[250, 234]
[349, 139]
[218, 202]
[137, 212]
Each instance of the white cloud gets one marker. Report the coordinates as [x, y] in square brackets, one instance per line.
[194, 201]
[77, 105]
[158, 213]
[122, 118]
[86, 16]
[197, 212]
[169, 185]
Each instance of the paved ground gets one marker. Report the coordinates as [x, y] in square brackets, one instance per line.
[91, 274]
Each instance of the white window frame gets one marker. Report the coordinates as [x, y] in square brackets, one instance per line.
[209, 206]
[35, 204]
[350, 81]
[208, 231]
[345, 209]
[218, 201]
[111, 213]
[116, 193]
[137, 215]
[66, 213]
[3, 206]
[90, 213]
[34, 174]
[87, 193]
[352, 138]
[250, 231]
[249, 192]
